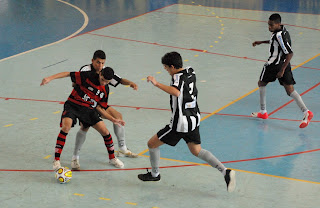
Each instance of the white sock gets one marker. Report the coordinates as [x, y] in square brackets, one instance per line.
[211, 160]
[154, 160]
[80, 138]
[295, 95]
[120, 134]
[263, 108]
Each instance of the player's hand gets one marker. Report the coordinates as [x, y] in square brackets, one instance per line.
[134, 86]
[280, 74]
[256, 43]
[119, 122]
[152, 80]
[45, 81]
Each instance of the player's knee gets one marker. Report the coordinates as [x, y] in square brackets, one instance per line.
[151, 144]
[194, 152]
[119, 115]
[66, 129]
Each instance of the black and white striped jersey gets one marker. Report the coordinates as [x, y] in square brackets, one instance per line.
[114, 82]
[280, 45]
[185, 111]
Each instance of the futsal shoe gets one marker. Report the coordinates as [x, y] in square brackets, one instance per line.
[148, 177]
[126, 153]
[306, 119]
[75, 164]
[260, 115]
[230, 179]
[56, 165]
[116, 162]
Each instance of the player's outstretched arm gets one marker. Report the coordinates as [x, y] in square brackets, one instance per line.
[108, 116]
[55, 76]
[128, 82]
[259, 42]
[168, 89]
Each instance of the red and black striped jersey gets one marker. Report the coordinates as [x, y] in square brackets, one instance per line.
[88, 92]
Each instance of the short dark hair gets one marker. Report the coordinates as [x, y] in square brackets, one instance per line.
[172, 58]
[99, 54]
[107, 73]
[276, 18]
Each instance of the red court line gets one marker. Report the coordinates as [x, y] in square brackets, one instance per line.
[247, 116]
[234, 18]
[292, 100]
[175, 166]
[120, 106]
[189, 49]
[275, 156]
[121, 21]
[97, 170]
[250, 9]
[176, 47]
[147, 108]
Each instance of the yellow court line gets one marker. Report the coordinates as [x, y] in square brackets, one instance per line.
[144, 151]
[245, 171]
[76, 194]
[46, 157]
[8, 125]
[131, 203]
[104, 199]
[32, 119]
[86, 21]
[263, 174]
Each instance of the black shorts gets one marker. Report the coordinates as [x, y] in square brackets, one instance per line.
[269, 74]
[88, 117]
[171, 137]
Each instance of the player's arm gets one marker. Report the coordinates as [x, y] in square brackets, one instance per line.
[285, 64]
[104, 114]
[128, 82]
[260, 42]
[168, 89]
[55, 76]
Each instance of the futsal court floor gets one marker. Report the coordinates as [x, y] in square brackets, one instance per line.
[276, 162]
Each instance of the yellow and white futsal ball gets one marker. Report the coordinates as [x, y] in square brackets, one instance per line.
[63, 175]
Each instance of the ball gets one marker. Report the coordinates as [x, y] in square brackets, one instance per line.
[63, 175]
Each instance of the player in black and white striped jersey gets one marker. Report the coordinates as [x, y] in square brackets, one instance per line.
[185, 120]
[97, 65]
[278, 66]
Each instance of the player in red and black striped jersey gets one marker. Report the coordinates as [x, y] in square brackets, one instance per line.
[98, 61]
[91, 93]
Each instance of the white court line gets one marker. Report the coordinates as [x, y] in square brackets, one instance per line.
[85, 23]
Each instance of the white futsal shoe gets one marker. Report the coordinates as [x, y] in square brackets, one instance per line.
[126, 153]
[116, 163]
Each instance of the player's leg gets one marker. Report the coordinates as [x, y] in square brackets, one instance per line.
[66, 124]
[80, 138]
[308, 115]
[288, 81]
[153, 144]
[120, 134]
[102, 129]
[229, 175]
[267, 75]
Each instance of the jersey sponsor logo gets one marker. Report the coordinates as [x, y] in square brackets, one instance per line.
[88, 99]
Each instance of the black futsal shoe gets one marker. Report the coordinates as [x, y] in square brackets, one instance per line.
[148, 177]
[230, 179]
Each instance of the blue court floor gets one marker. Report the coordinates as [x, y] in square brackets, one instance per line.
[276, 162]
